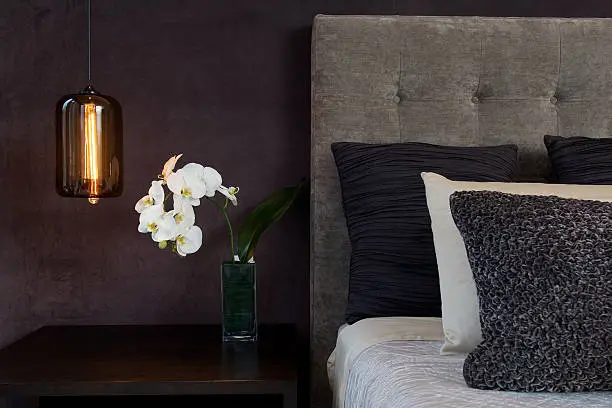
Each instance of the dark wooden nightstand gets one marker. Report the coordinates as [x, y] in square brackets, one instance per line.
[76, 362]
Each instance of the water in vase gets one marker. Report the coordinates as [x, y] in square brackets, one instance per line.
[238, 284]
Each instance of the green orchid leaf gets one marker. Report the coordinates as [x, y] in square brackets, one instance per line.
[266, 213]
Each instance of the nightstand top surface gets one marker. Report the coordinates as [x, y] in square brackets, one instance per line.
[144, 359]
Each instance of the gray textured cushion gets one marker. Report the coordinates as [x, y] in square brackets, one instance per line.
[543, 272]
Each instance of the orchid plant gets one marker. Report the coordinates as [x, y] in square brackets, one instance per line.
[175, 228]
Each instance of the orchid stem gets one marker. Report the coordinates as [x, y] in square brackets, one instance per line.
[166, 197]
[229, 226]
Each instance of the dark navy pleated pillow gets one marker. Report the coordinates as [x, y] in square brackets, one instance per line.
[580, 160]
[393, 270]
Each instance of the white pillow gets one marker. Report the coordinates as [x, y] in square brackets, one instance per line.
[460, 315]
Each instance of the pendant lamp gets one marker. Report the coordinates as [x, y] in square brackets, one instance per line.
[89, 145]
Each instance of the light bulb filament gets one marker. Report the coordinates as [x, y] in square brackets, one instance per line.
[91, 148]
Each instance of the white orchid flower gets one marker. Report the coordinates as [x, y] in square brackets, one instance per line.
[230, 193]
[205, 180]
[178, 184]
[189, 241]
[167, 228]
[184, 216]
[212, 179]
[175, 222]
[194, 181]
[150, 218]
[155, 197]
[169, 166]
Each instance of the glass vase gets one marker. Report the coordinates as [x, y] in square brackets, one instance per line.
[238, 292]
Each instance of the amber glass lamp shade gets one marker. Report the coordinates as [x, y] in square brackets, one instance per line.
[89, 129]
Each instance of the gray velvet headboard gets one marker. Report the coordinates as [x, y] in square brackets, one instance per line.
[444, 80]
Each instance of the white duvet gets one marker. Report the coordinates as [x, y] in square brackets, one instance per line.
[396, 363]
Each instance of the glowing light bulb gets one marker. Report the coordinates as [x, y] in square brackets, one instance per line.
[90, 157]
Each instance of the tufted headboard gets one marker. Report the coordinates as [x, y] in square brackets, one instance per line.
[444, 80]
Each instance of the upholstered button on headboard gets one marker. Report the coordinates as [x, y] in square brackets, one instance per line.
[445, 80]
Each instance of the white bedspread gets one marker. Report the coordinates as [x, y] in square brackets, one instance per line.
[354, 339]
[377, 363]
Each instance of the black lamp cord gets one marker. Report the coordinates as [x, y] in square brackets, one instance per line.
[89, 42]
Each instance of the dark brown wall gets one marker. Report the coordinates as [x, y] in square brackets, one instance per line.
[226, 83]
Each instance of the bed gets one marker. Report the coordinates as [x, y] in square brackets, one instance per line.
[466, 81]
